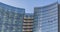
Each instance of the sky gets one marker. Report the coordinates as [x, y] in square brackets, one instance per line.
[28, 5]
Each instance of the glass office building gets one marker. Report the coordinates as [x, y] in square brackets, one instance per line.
[59, 18]
[11, 18]
[46, 18]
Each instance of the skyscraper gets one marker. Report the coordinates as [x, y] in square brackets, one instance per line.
[11, 18]
[59, 18]
[28, 22]
[46, 18]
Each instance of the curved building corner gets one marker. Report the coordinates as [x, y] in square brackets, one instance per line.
[46, 18]
[11, 18]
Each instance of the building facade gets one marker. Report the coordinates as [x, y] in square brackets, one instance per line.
[59, 18]
[28, 22]
[46, 18]
[11, 18]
